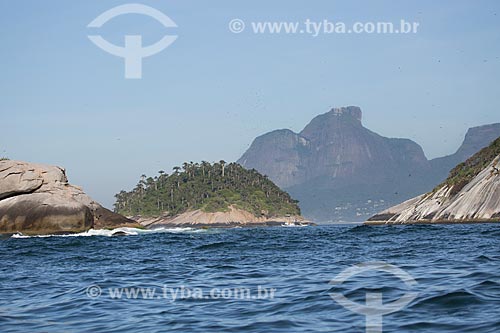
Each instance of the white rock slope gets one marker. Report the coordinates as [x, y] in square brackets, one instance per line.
[478, 201]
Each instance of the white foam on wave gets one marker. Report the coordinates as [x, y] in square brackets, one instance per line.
[294, 225]
[114, 232]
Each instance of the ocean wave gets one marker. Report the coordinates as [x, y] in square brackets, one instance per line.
[115, 232]
[215, 245]
[294, 225]
[450, 300]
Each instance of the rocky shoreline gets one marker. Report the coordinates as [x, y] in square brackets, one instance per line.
[37, 199]
[424, 222]
[233, 217]
[234, 225]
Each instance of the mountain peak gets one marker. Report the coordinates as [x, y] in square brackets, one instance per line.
[477, 138]
[332, 125]
[347, 111]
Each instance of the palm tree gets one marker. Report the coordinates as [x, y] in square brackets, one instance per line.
[203, 165]
[222, 163]
[161, 177]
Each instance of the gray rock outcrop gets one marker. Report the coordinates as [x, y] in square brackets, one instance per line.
[37, 199]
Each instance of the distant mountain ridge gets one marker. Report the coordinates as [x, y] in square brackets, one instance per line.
[340, 170]
[476, 139]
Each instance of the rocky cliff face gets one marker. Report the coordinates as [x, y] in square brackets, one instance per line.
[478, 200]
[37, 199]
[286, 149]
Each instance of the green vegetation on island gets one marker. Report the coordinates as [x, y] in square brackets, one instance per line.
[463, 173]
[209, 187]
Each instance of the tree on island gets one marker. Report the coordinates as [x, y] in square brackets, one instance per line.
[209, 187]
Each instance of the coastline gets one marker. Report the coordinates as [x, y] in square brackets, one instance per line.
[234, 217]
[378, 223]
[230, 225]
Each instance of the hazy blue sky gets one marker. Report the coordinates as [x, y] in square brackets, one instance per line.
[207, 96]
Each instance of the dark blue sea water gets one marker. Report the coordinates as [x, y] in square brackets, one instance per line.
[67, 284]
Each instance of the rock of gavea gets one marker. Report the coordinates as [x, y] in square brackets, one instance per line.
[37, 199]
[335, 162]
[476, 201]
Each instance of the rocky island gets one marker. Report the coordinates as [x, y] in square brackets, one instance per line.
[37, 199]
[208, 195]
[470, 194]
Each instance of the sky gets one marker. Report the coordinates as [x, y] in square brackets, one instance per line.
[64, 101]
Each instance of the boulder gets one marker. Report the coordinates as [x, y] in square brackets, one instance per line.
[43, 213]
[17, 180]
[37, 199]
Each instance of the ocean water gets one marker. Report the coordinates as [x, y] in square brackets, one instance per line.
[252, 280]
